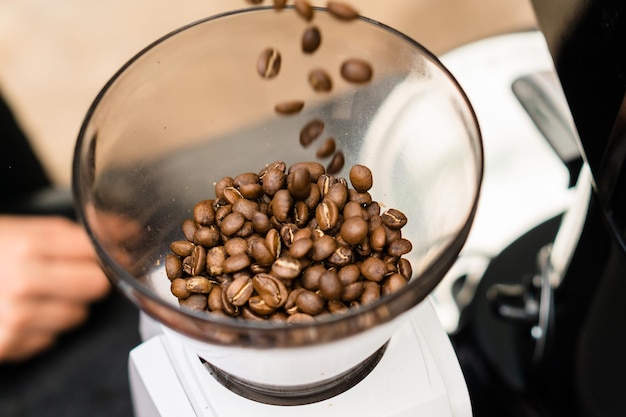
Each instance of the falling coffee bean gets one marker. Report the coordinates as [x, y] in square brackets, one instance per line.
[342, 10]
[311, 39]
[356, 71]
[320, 81]
[304, 9]
[326, 149]
[268, 64]
[289, 107]
[311, 131]
[336, 164]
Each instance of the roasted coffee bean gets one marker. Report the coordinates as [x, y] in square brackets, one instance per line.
[232, 223]
[330, 285]
[378, 239]
[290, 306]
[232, 194]
[173, 266]
[311, 40]
[338, 193]
[251, 191]
[356, 71]
[261, 222]
[289, 107]
[404, 268]
[320, 81]
[342, 10]
[198, 285]
[221, 213]
[198, 260]
[178, 287]
[245, 179]
[314, 197]
[354, 230]
[271, 289]
[371, 292]
[353, 209]
[353, 291]
[273, 242]
[300, 248]
[327, 214]
[286, 268]
[239, 291]
[261, 253]
[349, 274]
[361, 178]
[311, 276]
[215, 259]
[189, 229]
[182, 247]
[236, 246]
[279, 4]
[336, 164]
[299, 183]
[236, 263]
[315, 169]
[327, 148]
[299, 318]
[259, 306]
[361, 198]
[281, 205]
[373, 269]
[204, 213]
[196, 302]
[215, 299]
[301, 212]
[287, 231]
[246, 207]
[394, 219]
[341, 257]
[311, 131]
[304, 9]
[268, 64]
[323, 247]
[248, 314]
[273, 180]
[206, 236]
[399, 247]
[393, 283]
[309, 302]
[222, 184]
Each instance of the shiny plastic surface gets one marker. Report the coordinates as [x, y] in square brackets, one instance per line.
[191, 109]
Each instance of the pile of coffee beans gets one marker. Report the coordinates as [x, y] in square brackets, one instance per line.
[353, 70]
[289, 243]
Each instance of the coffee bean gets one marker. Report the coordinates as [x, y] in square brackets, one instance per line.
[320, 81]
[273, 180]
[399, 247]
[198, 285]
[178, 287]
[373, 269]
[215, 259]
[289, 107]
[304, 9]
[259, 306]
[336, 164]
[330, 285]
[282, 204]
[235, 263]
[309, 302]
[300, 248]
[342, 10]
[338, 194]
[311, 131]
[356, 71]
[299, 183]
[268, 64]
[394, 283]
[279, 4]
[239, 291]
[371, 292]
[215, 299]
[286, 268]
[232, 223]
[196, 302]
[182, 247]
[299, 318]
[326, 149]
[198, 260]
[361, 178]
[353, 291]
[189, 229]
[173, 266]
[311, 39]
[394, 219]
[323, 247]
[206, 236]
[204, 213]
[378, 239]
[327, 214]
[272, 290]
[315, 169]
[405, 268]
[354, 230]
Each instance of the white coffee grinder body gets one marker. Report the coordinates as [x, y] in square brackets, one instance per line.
[417, 375]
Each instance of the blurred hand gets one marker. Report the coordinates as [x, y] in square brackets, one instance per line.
[49, 276]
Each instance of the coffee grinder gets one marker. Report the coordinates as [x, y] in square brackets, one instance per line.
[190, 109]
